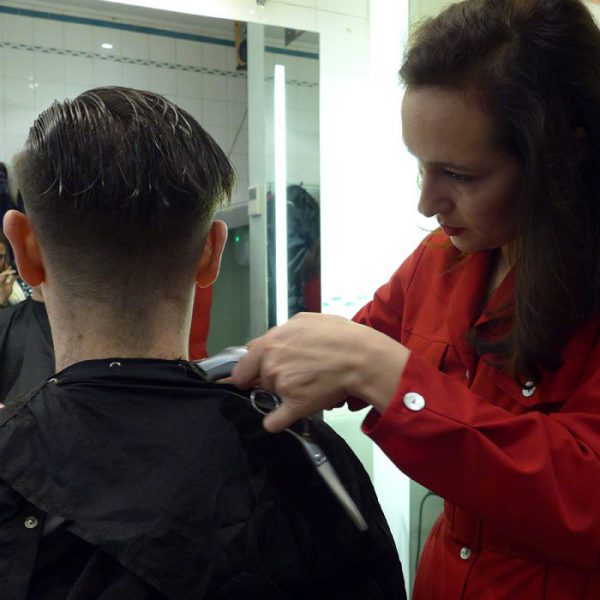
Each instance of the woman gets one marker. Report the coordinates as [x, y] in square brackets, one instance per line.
[481, 355]
[10, 290]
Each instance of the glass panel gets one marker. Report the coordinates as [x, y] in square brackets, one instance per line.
[297, 54]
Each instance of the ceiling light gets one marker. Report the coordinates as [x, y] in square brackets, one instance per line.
[107, 46]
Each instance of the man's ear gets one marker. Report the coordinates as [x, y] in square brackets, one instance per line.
[210, 259]
[23, 240]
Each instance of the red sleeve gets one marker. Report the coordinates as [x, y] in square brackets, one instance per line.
[484, 458]
[384, 311]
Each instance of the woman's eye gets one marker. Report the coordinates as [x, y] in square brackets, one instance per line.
[458, 177]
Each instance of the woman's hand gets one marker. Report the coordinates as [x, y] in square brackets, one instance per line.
[7, 279]
[314, 362]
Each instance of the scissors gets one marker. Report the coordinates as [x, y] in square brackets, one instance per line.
[304, 431]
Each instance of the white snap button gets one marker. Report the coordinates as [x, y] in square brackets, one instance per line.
[31, 522]
[528, 390]
[53, 380]
[115, 364]
[465, 553]
[414, 401]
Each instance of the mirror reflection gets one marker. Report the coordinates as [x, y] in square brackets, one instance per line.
[299, 122]
[56, 51]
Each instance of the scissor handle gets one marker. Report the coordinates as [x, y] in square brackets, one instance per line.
[273, 399]
[221, 365]
[325, 469]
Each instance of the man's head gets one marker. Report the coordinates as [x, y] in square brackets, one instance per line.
[119, 187]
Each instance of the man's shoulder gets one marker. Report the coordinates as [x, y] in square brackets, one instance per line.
[132, 477]
[195, 421]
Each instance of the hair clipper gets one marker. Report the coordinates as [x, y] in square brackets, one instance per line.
[221, 364]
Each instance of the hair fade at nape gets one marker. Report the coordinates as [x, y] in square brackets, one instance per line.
[534, 67]
[120, 177]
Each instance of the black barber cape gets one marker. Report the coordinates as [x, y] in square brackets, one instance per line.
[26, 353]
[142, 481]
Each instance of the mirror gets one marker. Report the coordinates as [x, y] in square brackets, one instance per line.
[292, 174]
[56, 50]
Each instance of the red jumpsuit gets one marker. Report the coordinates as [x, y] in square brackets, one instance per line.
[519, 467]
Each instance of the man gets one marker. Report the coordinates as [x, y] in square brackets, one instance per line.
[126, 474]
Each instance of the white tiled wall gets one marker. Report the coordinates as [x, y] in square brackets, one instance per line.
[42, 60]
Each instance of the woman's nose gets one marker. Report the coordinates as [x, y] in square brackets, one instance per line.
[433, 200]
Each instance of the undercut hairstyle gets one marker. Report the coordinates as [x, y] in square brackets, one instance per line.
[121, 186]
[534, 68]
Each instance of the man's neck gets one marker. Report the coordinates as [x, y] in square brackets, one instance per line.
[79, 336]
[66, 358]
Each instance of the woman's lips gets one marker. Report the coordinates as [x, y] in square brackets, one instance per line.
[452, 231]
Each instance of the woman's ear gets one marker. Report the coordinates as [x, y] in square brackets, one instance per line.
[22, 238]
[210, 259]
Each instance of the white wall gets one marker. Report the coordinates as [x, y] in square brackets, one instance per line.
[426, 8]
[594, 9]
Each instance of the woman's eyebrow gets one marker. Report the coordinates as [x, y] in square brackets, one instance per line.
[450, 165]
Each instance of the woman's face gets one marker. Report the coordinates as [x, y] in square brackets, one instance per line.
[468, 184]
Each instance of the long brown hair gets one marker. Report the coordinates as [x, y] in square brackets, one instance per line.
[535, 68]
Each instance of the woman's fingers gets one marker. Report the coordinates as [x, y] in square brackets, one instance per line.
[315, 362]
[247, 372]
[303, 362]
[282, 417]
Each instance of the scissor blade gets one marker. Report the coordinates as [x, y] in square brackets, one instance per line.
[327, 472]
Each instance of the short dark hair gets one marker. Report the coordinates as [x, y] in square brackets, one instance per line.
[534, 68]
[120, 184]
